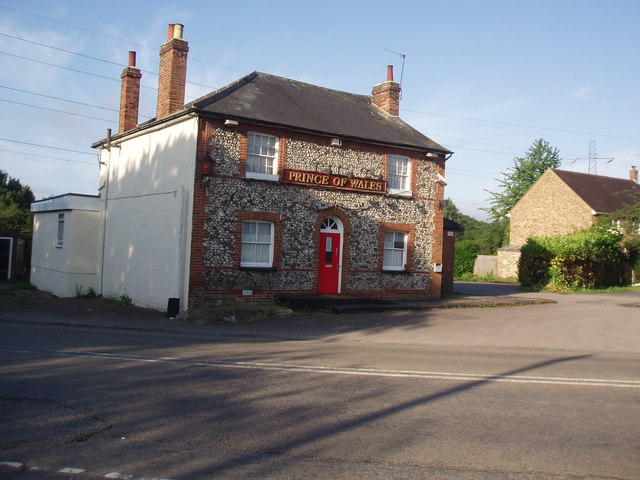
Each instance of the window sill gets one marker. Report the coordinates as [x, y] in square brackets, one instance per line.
[403, 271]
[400, 193]
[258, 269]
[262, 176]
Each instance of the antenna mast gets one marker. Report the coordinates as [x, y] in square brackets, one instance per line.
[402, 55]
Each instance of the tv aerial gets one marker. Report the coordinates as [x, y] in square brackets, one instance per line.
[401, 55]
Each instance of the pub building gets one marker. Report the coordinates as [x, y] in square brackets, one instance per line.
[266, 187]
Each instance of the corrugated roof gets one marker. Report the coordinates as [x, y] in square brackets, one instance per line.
[279, 101]
[602, 194]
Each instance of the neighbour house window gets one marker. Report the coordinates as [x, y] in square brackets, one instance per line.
[262, 156]
[399, 175]
[60, 239]
[257, 244]
[395, 251]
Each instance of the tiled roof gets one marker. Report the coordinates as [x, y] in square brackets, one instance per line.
[602, 194]
[279, 101]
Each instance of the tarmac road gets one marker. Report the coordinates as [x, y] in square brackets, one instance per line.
[536, 391]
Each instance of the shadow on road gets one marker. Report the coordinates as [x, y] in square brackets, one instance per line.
[486, 289]
[358, 421]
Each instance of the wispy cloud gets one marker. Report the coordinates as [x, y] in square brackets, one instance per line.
[582, 92]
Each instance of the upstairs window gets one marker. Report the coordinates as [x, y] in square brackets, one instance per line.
[257, 244]
[399, 175]
[262, 156]
[395, 251]
[60, 239]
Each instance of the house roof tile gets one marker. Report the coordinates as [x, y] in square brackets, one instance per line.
[602, 194]
[289, 103]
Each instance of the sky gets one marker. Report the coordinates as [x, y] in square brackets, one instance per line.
[483, 78]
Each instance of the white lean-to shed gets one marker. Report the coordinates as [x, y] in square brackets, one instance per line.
[65, 251]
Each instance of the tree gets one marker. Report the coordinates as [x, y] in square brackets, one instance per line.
[490, 236]
[15, 205]
[487, 236]
[452, 212]
[519, 179]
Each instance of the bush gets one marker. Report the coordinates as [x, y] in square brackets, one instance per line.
[587, 259]
[534, 263]
[466, 252]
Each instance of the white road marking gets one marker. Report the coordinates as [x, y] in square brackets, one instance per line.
[118, 475]
[19, 465]
[471, 377]
[71, 470]
[124, 476]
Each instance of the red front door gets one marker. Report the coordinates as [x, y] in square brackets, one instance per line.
[329, 263]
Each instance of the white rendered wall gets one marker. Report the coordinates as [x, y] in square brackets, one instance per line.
[71, 268]
[146, 191]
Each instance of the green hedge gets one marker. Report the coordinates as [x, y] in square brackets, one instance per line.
[632, 257]
[587, 259]
[534, 264]
[465, 257]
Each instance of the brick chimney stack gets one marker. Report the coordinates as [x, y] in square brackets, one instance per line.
[129, 95]
[173, 72]
[387, 95]
[633, 174]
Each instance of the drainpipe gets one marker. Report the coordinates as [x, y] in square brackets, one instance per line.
[106, 206]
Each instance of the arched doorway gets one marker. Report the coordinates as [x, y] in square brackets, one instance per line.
[330, 255]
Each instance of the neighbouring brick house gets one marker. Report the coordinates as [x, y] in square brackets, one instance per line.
[267, 186]
[563, 202]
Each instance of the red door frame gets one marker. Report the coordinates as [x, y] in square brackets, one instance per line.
[329, 262]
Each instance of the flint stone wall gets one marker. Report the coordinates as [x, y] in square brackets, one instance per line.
[300, 206]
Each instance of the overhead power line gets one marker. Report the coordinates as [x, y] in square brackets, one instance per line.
[65, 24]
[67, 68]
[48, 156]
[65, 100]
[120, 39]
[61, 49]
[46, 146]
[58, 98]
[56, 110]
[535, 127]
[111, 79]
[481, 150]
[470, 119]
[95, 58]
[515, 150]
[470, 173]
